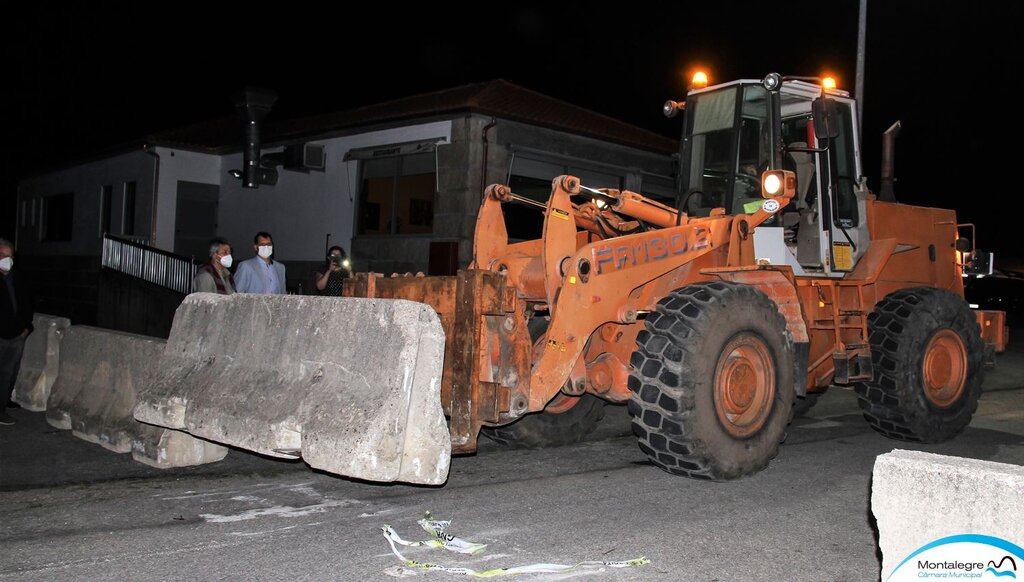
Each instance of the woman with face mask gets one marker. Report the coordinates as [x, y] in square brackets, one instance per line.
[214, 275]
[338, 267]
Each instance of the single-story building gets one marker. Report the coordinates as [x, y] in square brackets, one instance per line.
[397, 184]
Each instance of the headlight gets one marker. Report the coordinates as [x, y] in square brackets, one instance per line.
[772, 81]
[778, 184]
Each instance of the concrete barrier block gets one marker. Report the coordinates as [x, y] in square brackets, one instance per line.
[165, 448]
[918, 498]
[40, 362]
[350, 385]
[100, 372]
[94, 396]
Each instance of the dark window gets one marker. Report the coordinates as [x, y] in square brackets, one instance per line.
[398, 195]
[531, 177]
[58, 216]
[128, 218]
[846, 169]
[106, 196]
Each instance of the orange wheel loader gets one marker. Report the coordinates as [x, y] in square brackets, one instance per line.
[775, 275]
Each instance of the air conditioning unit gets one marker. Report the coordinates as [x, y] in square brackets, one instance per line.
[304, 157]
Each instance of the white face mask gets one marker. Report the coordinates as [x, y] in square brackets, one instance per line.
[226, 260]
[265, 251]
[6, 263]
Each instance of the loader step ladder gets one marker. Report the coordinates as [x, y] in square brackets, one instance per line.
[852, 355]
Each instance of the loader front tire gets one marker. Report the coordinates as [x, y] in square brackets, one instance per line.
[712, 381]
[928, 358]
[549, 429]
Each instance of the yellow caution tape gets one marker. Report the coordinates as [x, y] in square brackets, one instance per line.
[445, 541]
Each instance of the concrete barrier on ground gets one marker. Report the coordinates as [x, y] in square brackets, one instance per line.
[95, 393]
[40, 362]
[352, 386]
[918, 498]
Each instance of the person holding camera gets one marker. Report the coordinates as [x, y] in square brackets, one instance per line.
[338, 267]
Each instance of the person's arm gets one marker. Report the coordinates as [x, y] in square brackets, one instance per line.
[204, 283]
[321, 280]
[26, 304]
[243, 278]
[281, 275]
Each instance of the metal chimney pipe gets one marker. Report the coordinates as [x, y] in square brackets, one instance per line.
[253, 105]
[889, 162]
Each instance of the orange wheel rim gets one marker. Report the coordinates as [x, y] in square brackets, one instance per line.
[744, 385]
[561, 403]
[944, 368]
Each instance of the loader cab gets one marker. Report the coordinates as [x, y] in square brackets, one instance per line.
[733, 133]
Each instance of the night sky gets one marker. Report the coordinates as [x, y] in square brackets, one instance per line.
[89, 77]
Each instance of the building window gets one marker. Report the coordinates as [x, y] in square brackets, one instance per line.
[106, 195]
[531, 176]
[128, 216]
[58, 216]
[398, 195]
[659, 188]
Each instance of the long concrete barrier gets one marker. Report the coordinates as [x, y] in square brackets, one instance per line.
[921, 499]
[352, 386]
[41, 362]
[95, 393]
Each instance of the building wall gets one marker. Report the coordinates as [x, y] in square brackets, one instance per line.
[86, 182]
[303, 208]
[463, 176]
[180, 165]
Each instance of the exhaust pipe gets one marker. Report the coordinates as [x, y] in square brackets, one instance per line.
[889, 162]
[253, 105]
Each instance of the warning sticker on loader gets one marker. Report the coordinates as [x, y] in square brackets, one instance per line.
[559, 213]
[842, 255]
[443, 541]
[556, 345]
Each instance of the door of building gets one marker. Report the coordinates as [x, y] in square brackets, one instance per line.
[195, 219]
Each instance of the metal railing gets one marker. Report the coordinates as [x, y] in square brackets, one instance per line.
[150, 264]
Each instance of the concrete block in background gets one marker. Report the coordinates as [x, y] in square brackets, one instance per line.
[95, 393]
[40, 362]
[350, 385]
[918, 498]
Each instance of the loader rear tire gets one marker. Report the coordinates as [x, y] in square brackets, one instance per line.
[548, 429]
[928, 358]
[712, 381]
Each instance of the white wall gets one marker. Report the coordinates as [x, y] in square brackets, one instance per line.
[178, 165]
[86, 181]
[303, 208]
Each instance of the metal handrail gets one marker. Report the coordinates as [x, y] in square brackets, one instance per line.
[157, 266]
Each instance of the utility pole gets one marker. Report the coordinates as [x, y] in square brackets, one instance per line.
[862, 24]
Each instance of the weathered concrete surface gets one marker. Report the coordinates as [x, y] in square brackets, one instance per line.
[919, 497]
[40, 362]
[164, 448]
[95, 393]
[350, 385]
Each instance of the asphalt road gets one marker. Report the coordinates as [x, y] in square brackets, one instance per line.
[72, 510]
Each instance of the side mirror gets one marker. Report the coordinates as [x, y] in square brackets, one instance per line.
[964, 245]
[826, 120]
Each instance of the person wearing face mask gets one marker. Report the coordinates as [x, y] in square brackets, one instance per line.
[213, 276]
[261, 274]
[16, 310]
[335, 271]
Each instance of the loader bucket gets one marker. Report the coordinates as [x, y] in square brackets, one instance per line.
[352, 386]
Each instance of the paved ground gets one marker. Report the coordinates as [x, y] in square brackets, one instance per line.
[71, 510]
